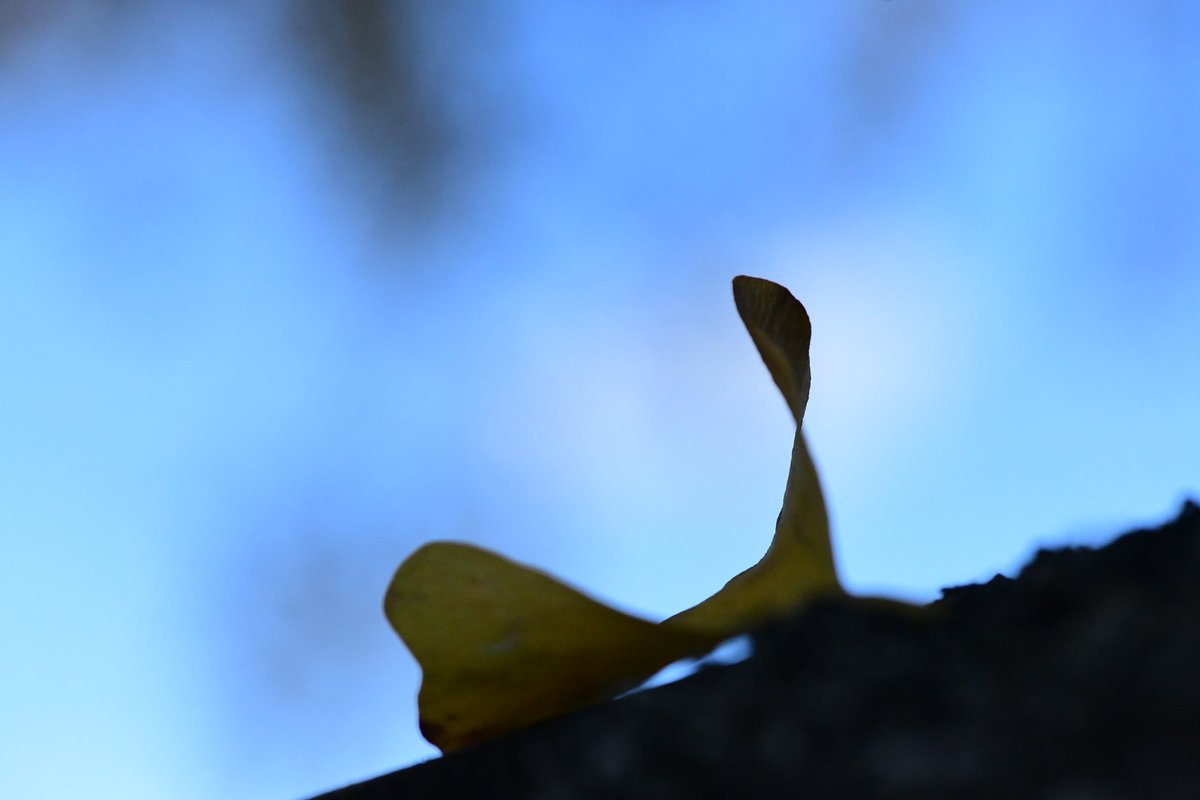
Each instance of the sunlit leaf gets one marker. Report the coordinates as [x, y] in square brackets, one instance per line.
[502, 646]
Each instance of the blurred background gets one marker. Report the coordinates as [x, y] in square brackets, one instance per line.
[287, 289]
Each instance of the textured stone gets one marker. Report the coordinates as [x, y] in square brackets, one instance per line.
[1078, 680]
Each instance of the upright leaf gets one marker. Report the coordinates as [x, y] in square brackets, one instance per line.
[798, 565]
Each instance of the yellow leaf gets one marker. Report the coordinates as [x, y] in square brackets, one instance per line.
[779, 326]
[799, 563]
[502, 646]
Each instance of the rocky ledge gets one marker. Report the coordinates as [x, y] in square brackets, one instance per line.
[1077, 680]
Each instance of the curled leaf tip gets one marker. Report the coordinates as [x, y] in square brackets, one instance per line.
[780, 328]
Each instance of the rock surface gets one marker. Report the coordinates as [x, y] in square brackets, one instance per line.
[1078, 680]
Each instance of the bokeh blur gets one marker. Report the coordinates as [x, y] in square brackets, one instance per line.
[287, 289]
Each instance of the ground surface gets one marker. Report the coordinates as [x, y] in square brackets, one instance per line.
[1078, 680]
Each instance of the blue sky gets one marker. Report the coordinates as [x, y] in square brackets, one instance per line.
[231, 408]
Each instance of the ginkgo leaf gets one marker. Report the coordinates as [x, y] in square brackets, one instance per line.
[502, 646]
